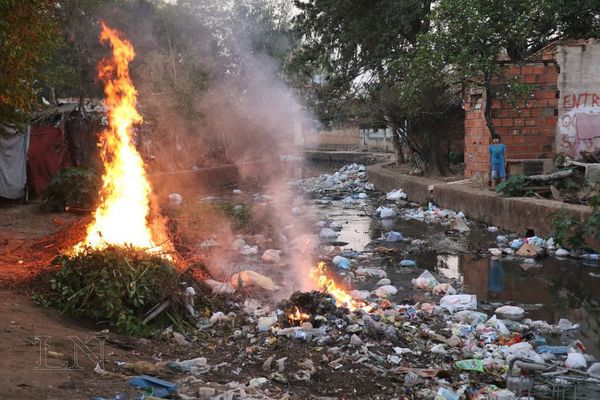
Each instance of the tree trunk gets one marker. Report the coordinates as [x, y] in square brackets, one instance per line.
[488, 105]
[436, 163]
[426, 143]
[397, 147]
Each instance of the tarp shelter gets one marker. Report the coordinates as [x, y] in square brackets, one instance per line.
[48, 153]
[13, 162]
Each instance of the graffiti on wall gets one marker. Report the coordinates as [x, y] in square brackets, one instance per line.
[578, 130]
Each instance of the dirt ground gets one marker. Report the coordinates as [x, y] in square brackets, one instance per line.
[29, 240]
[44, 354]
[31, 370]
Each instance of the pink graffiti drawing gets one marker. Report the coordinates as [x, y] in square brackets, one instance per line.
[587, 128]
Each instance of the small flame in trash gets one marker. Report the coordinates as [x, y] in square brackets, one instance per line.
[342, 298]
[298, 317]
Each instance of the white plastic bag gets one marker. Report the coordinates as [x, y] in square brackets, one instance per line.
[396, 195]
[511, 311]
[386, 213]
[271, 256]
[328, 233]
[385, 291]
[425, 281]
[459, 302]
[443, 288]
[575, 361]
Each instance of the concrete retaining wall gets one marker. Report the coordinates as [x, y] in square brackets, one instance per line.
[513, 214]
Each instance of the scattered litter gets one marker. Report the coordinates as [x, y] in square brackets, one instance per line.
[394, 236]
[396, 195]
[252, 278]
[341, 262]
[425, 281]
[385, 291]
[510, 311]
[459, 225]
[175, 199]
[157, 387]
[328, 233]
[459, 302]
[576, 361]
[386, 213]
[470, 365]
[271, 256]
[408, 263]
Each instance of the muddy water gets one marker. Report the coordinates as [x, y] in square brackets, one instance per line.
[549, 289]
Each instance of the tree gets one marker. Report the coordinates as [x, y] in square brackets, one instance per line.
[366, 49]
[469, 35]
[27, 40]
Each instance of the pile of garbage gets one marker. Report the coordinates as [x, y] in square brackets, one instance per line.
[443, 349]
[351, 181]
[381, 341]
[534, 247]
[432, 214]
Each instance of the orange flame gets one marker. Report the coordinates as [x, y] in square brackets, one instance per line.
[341, 297]
[298, 316]
[122, 216]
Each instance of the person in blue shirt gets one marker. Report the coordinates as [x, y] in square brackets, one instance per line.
[497, 160]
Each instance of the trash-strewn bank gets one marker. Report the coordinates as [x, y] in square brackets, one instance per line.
[378, 325]
[514, 214]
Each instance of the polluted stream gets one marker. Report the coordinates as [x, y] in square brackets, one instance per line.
[549, 289]
[350, 296]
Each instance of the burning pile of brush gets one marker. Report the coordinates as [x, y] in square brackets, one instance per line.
[123, 224]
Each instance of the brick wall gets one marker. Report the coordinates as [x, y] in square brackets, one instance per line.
[526, 127]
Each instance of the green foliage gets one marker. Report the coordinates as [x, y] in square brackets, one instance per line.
[515, 93]
[72, 187]
[513, 186]
[27, 40]
[116, 284]
[240, 214]
[568, 231]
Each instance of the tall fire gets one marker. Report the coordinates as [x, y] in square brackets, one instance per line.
[122, 218]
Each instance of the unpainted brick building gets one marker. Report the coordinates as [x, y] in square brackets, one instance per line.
[558, 114]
